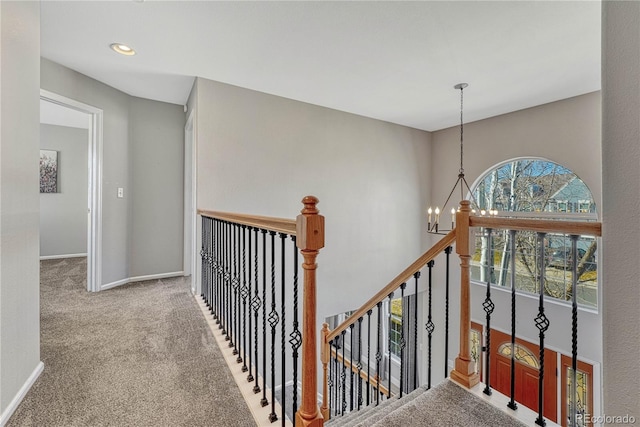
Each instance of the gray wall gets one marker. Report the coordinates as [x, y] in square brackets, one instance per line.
[19, 141]
[116, 213]
[567, 132]
[621, 204]
[63, 215]
[145, 159]
[157, 152]
[261, 154]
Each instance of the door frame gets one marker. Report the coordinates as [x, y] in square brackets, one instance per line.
[190, 223]
[94, 199]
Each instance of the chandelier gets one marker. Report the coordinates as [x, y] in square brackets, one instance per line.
[434, 224]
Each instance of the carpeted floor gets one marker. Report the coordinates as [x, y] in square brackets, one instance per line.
[137, 355]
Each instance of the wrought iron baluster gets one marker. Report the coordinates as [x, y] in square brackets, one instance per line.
[273, 322]
[250, 295]
[574, 331]
[235, 297]
[244, 293]
[488, 307]
[211, 268]
[542, 323]
[296, 336]
[416, 276]
[217, 273]
[283, 325]
[447, 251]
[227, 281]
[359, 363]
[255, 304]
[430, 326]
[369, 312]
[351, 369]
[336, 344]
[343, 377]
[264, 401]
[403, 342]
[512, 243]
[237, 292]
[330, 377]
[389, 341]
[379, 353]
[203, 238]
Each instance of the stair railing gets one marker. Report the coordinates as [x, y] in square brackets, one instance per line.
[366, 384]
[240, 259]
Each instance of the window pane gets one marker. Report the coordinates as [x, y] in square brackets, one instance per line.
[536, 186]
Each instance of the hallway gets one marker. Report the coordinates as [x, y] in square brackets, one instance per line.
[136, 355]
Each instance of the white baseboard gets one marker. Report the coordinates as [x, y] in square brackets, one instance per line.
[140, 279]
[62, 256]
[13, 405]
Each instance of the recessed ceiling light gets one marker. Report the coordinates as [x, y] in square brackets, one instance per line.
[123, 49]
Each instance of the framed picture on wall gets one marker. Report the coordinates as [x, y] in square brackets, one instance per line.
[48, 171]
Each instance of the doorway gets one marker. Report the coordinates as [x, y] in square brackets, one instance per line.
[190, 224]
[93, 117]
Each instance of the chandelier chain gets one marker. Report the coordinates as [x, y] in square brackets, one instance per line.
[461, 132]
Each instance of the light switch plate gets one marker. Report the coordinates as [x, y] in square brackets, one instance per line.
[120, 192]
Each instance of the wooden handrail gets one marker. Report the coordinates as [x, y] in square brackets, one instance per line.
[539, 225]
[279, 225]
[383, 294]
[373, 380]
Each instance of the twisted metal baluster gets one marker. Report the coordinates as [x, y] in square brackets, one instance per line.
[237, 294]
[227, 282]
[283, 325]
[273, 322]
[389, 341]
[369, 312]
[447, 251]
[343, 376]
[264, 401]
[250, 295]
[203, 287]
[330, 377]
[430, 326]
[574, 331]
[359, 366]
[234, 288]
[351, 370]
[217, 275]
[255, 304]
[244, 293]
[542, 323]
[379, 353]
[488, 306]
[296, 336]
[416, 276]
[512, 242]
[403, 342]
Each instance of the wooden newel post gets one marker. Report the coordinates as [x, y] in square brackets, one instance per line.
[464, 372]
[310, 239]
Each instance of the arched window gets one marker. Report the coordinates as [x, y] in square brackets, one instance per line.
[521, 354]
[536, 188]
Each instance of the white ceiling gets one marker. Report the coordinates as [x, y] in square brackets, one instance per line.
[394, 61]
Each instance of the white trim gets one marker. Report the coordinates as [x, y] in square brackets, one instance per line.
[94, 199]
[62, 256]
[140, 279]
[15, 402]
[260, 413]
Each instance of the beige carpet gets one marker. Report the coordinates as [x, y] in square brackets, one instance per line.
[137, 355]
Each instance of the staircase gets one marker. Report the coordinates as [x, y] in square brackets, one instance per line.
[446, 404]
[356, 355]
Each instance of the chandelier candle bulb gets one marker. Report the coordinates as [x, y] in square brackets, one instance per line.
[437, 217]
[429, 212]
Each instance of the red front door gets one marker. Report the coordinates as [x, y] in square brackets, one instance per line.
[526, 373]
